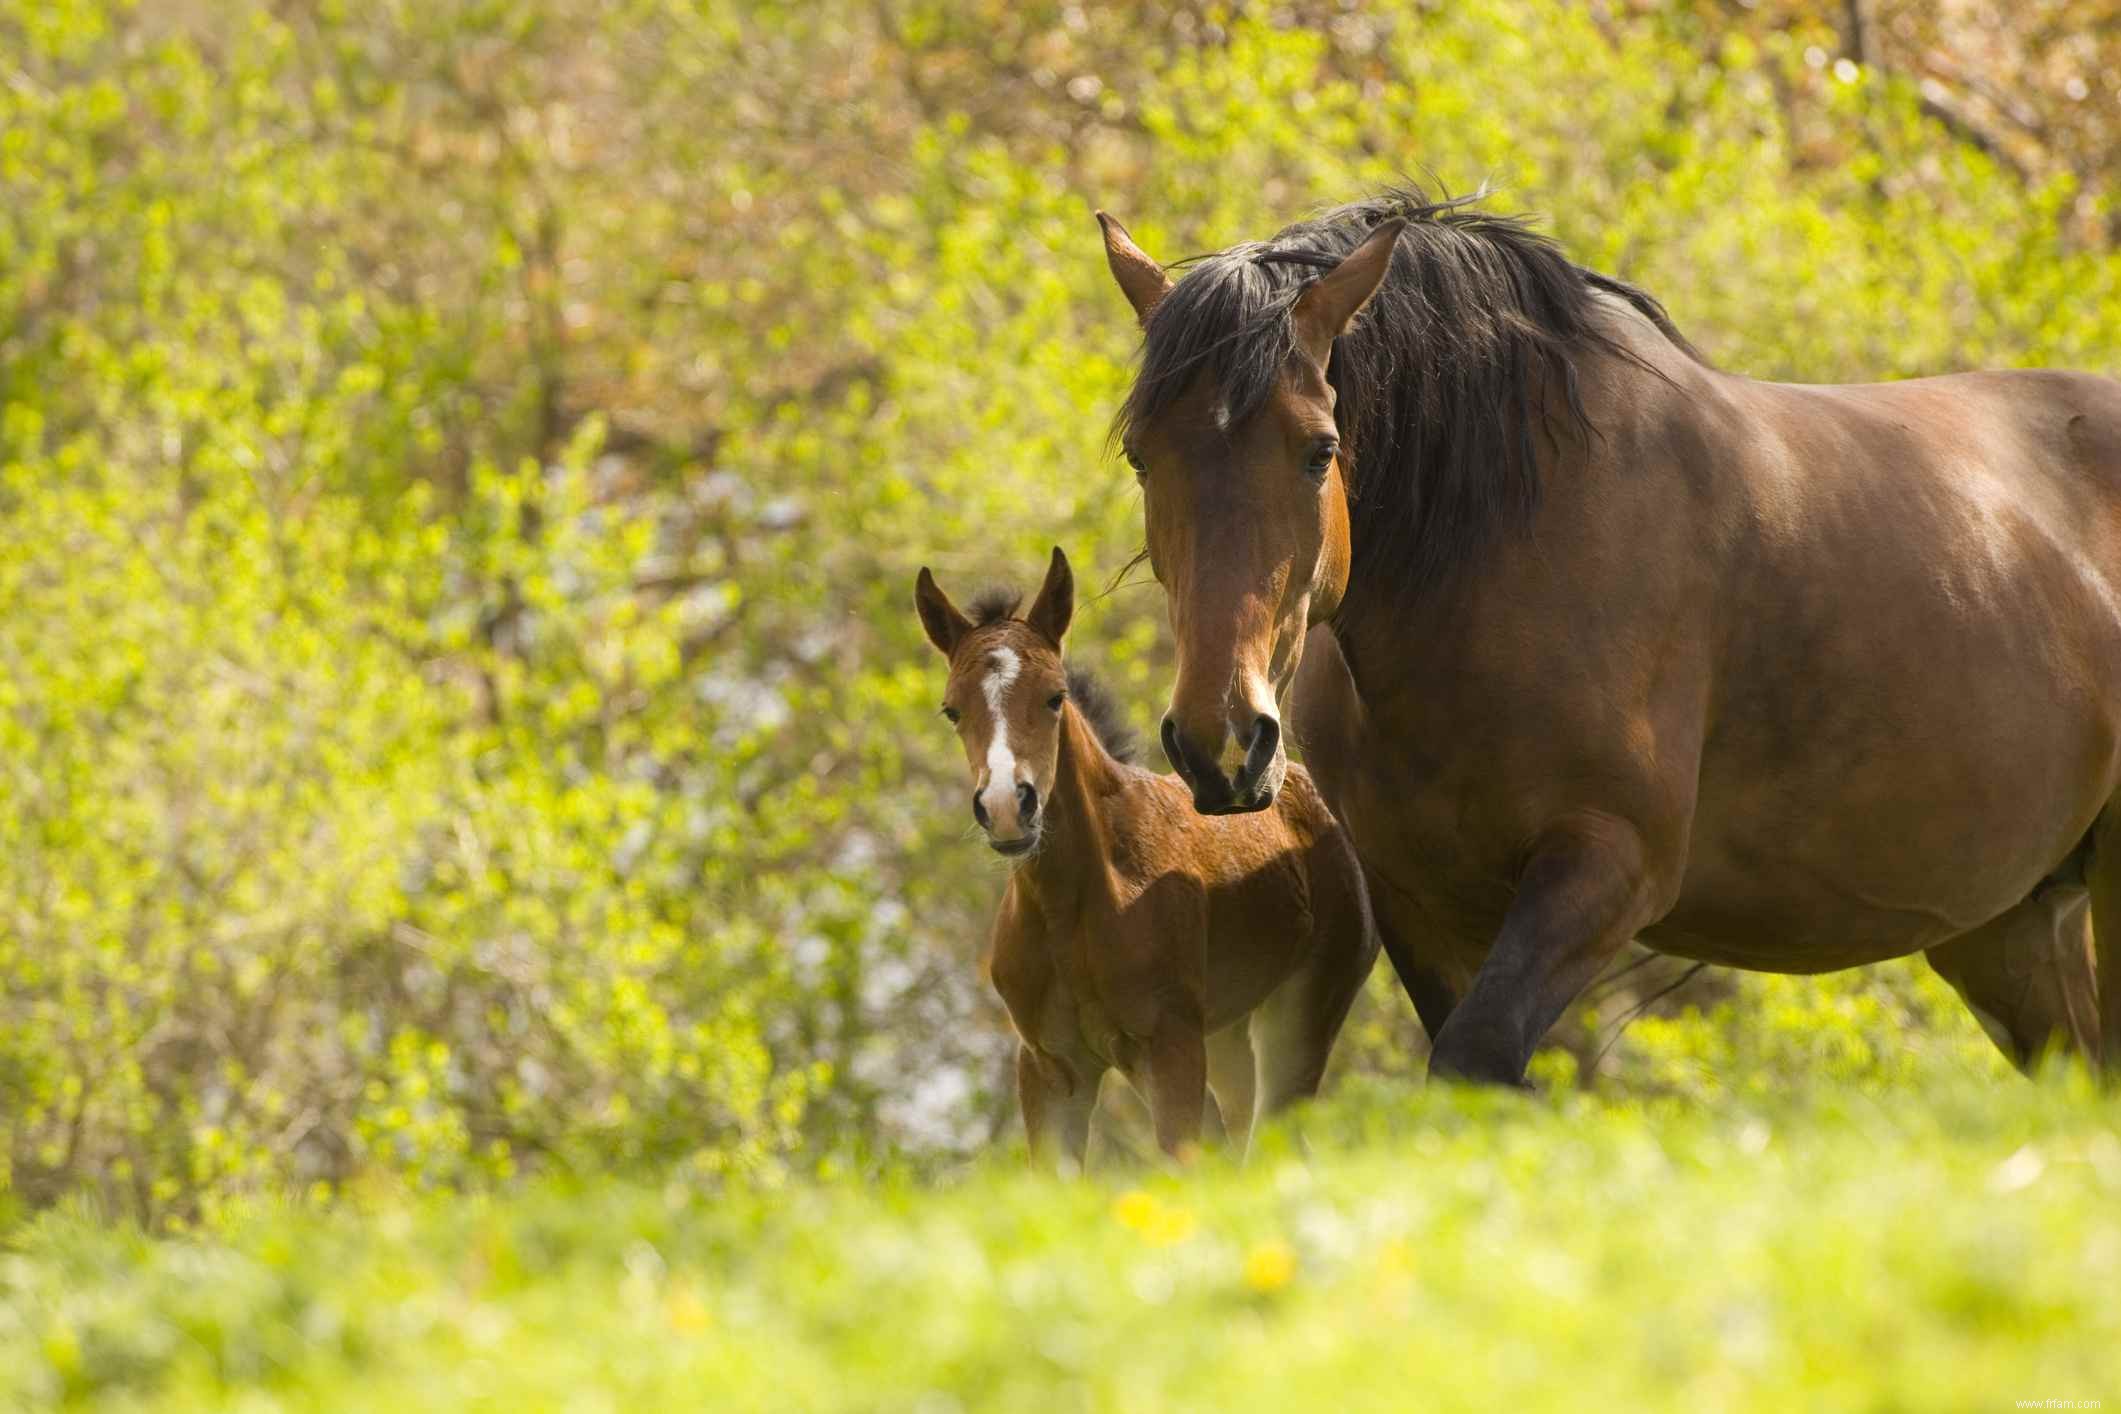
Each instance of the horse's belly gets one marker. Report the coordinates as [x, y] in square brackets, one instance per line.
[1785, 888]
[1793, 944]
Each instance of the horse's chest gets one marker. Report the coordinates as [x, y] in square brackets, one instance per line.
[1115, 979]
[1426, 840]
[1100, 1032]
[1085, 1012]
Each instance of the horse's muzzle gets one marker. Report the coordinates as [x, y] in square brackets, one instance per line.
[1214, 793]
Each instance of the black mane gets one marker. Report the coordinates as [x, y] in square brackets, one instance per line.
[1441, 382]
[1103, 712]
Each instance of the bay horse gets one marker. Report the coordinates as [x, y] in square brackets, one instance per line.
[1781, 677]
[1187, 953]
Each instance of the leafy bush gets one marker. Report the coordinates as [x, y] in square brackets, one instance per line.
[461, 468]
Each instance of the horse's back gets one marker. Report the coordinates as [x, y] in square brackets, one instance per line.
[1997, 493]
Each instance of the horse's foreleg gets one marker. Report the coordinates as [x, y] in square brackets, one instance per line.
[1579, 900]
[1425, 982]
[2027, 977]
[1057, 1098]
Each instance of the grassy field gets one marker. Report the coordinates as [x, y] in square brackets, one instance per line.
[1954, 1243]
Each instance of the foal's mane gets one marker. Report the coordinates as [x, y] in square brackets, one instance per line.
[993, 604]
[1441, 382]
[1107, 719]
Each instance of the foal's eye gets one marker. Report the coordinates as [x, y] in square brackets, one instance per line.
[1053, 703]
[1134, 460]
[1321, 460]
[950, 715]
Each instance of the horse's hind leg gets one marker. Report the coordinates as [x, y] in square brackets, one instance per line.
[1293, 1030]
[1292, 1037]
[2103, 872]
[1231, 1081]
[2027, 976]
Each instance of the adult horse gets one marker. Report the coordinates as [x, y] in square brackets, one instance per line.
[1781, 677]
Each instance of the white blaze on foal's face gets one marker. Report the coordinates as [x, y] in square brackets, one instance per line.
[999, 779]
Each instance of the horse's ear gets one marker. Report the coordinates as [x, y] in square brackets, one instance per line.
[1323, 312]
[1055, 605]
[945, 625]
[1142, 279]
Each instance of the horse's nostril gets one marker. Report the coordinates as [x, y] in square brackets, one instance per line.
[1176, 757]
[1027, 802]
[1261, 743]
[979, 811]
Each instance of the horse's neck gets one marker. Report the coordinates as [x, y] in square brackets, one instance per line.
[1381, 623]
[1378, 633]
[1071, 862]
[1325, 708]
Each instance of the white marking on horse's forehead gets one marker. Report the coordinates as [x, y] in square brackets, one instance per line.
[1001, 761]
[1004, 665]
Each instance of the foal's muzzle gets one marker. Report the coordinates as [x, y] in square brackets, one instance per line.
[1257, 779]
[1027, 821]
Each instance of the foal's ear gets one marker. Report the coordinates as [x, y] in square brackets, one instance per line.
[1142, 279]
[1055, 604]
[945, 625]
[1323, 312]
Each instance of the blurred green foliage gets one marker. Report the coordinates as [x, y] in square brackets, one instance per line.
[462, 468]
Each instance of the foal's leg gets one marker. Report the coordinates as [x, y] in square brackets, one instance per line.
[1057, 1106]
[1176, 1063]
[2027, 976]
[1231, 1081]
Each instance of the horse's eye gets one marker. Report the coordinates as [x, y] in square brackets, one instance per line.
[1053, 703]
[1321, 460]
[950, 713]
[1134, 460]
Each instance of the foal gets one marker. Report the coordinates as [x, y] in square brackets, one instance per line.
[1184, 951]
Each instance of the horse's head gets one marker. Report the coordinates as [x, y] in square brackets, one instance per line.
[1006, 692]
[1231, 432]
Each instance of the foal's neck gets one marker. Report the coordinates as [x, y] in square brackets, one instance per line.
[1077, 834]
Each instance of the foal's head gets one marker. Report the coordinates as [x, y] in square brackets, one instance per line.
[1006, 693]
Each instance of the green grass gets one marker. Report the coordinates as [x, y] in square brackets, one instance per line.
[1954, 1243]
